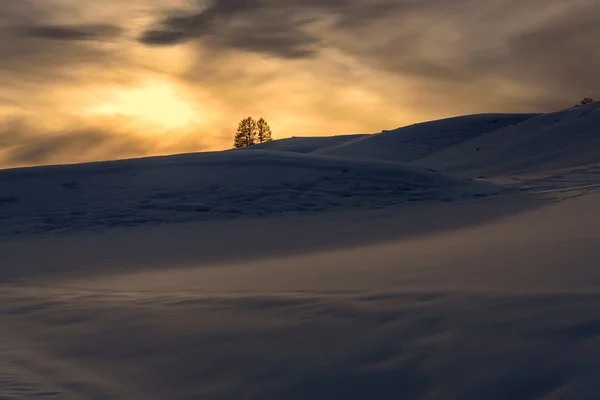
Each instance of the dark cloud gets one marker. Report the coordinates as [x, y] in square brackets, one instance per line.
[278, 27]
[561, 57]
[23, 143]
[30, 65]
[72, 32]
[36, 52]
[544, 65]
[437, 43]
[281, 28]
[249, 25]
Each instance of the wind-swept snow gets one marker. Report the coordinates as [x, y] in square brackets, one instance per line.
[507, 309]
[419, 140]
[199, 187]
[565, 139]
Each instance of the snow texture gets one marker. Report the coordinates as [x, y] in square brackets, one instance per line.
[413, 142]
[306, 144]
[564, 139]
[200, 187]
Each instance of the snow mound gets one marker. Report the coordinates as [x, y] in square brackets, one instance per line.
[560, 140]
[221, 185]
[419, 140]
[305, 144]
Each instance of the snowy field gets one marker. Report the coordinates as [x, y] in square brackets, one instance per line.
[451, 260]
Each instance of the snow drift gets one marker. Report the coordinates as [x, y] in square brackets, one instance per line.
[564, 139]
[419, 140]
[198, 187]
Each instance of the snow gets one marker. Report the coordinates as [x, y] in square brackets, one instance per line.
[477, 280]
[306, 144]
[419, 140]
[565, 139]
[208, 186]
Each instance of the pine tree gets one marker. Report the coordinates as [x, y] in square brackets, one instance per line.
[246, 133]
[239, 140]
[586, 100]
[263, 131]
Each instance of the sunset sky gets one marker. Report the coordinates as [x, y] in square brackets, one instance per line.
[92, 80]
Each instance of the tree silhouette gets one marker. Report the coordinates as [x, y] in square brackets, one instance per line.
[587, 100]
[250, 132]
[263, 131]
[246, 133]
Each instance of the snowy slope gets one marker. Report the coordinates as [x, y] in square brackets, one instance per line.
[564, 139]
[305, 144]
[503, 309]
[221, 185]
[419, 140]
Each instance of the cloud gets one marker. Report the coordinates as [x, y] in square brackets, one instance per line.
[285, 28]
[275, 26]
[436, 44]
[560, 57]
[238, 24]
[37, 50]
[72, 32]
[24, 143]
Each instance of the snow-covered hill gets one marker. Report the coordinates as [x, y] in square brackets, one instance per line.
[419, 140]
[222, 185]
[564, 139]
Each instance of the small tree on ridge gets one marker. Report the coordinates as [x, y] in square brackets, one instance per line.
[250, 132]
[245, 134]
[263, 131]
[587, 100]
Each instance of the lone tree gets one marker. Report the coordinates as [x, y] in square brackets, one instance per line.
[246, 133]
[263, 131]
[587, 100]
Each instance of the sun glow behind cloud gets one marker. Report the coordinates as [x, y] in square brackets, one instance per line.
[157, 102]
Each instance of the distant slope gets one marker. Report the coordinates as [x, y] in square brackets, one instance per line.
[419, 140]
[564, 139]
[305, 144]
[203, 186]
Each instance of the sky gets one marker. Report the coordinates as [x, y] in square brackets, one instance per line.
[84, 80]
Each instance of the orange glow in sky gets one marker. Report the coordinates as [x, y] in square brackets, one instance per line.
[167, 76]
[156, 102]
